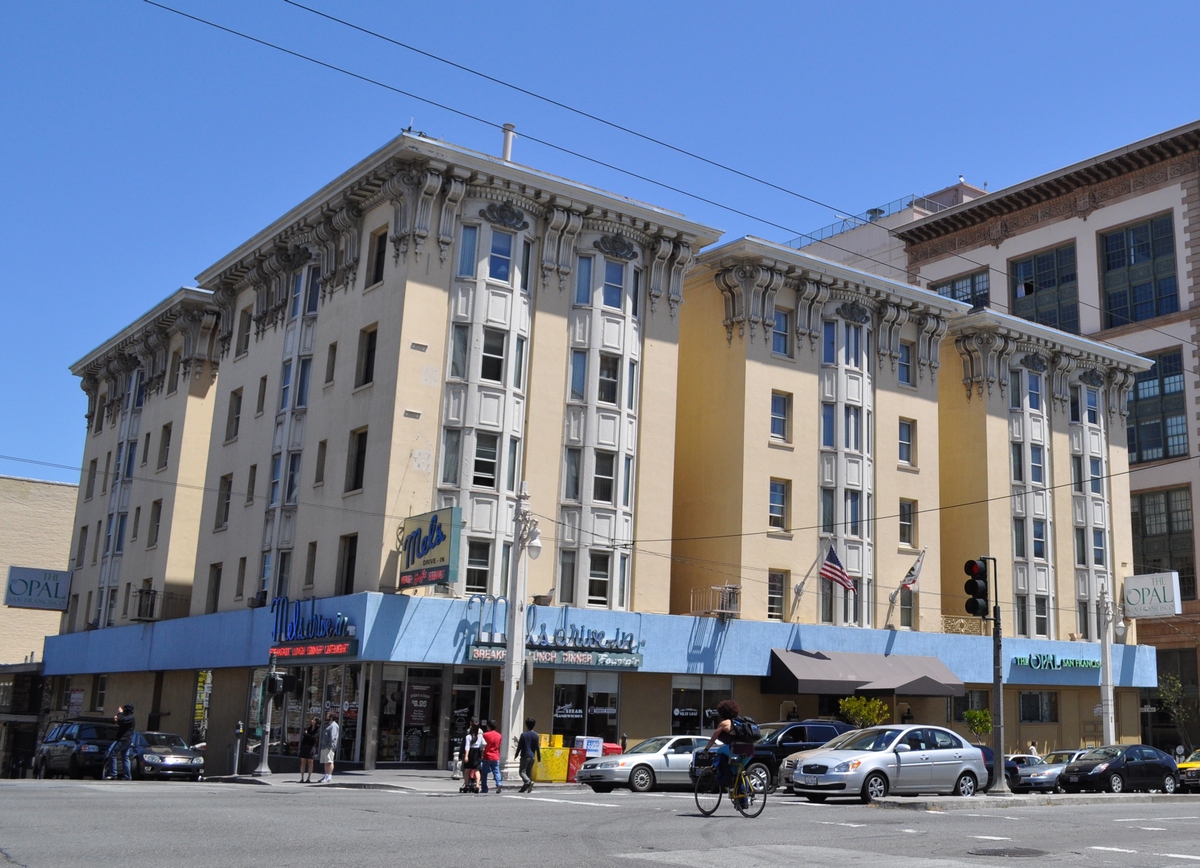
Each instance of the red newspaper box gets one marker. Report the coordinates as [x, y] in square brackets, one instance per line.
[574, 761]
[610, 748]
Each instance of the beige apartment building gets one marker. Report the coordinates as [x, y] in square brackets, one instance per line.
[437, 326]
[836, 409]
[1103, 248]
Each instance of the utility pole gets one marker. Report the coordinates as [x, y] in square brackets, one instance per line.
[268, 685]
[525, 538]
[1000, 785]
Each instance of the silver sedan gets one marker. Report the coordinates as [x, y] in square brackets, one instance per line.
[664, 759]
[892, 759]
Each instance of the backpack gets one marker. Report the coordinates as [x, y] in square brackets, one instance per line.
[744, 729]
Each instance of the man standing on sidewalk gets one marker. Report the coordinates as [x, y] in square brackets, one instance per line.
[529, 751]
[491, 755]
[329, 744]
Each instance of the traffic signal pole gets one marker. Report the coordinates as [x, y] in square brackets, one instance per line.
[1000, 785]
[979, 594]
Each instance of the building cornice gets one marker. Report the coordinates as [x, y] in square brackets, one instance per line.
[1074, 191]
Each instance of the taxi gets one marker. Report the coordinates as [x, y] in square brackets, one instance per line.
[1189, 773]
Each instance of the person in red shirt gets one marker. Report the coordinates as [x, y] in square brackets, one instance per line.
[491, 756]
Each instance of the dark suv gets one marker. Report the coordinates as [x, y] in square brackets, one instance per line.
[75, 747]
[783, 738]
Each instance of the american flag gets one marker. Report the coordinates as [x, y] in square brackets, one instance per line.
[833, 570]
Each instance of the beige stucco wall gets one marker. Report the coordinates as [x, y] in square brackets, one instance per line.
[36, 516]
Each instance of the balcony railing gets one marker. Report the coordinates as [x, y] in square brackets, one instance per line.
[147, 605]
[724, 601]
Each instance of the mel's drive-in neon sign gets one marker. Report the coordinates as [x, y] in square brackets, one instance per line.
[300, 632]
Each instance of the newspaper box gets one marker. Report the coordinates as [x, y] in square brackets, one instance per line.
[591, 745]
[574, 761]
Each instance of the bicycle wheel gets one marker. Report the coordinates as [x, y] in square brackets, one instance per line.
[708, 791]
[748, 801]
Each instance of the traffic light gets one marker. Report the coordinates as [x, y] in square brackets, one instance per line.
[274, 684]
[977, 588]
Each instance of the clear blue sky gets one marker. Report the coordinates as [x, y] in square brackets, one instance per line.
[139, 147]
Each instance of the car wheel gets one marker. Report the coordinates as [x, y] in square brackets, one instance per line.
[74, 772]
[760, 777]
[874, 788]
[965, 785]
[1116, 783]
[1168, 784]
[817, 798]
[602, 788]
[641, 779]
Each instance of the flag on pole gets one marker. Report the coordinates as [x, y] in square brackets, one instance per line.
[909, 582]
[833, 570]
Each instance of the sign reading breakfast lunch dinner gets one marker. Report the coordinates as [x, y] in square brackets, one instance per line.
[428, 545]
[1154, 595]
[30, 588]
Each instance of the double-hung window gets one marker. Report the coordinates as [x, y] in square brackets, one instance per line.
[1045, 288]
[604, 479]
[908, 453]
[777, 515]
[781, 334]
[610, 368]
[1157, 422]
[486, 455]
[500, 260]
[614, 284]
[491, 367]
[781, 413]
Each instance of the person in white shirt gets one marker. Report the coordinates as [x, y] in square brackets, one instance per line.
[329, 743]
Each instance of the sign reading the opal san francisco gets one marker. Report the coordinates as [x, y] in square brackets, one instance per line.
[428, 546]
[30, 588]
[1154, 595]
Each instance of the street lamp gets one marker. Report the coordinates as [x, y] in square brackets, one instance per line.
[526, 537]
[1108, 721]
[264, 767]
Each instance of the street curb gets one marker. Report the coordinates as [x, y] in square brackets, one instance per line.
[237, 779]
[982, 801]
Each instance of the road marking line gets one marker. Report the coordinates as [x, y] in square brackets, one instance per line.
[566, 801]
[1177, 856]
[830, 823]
[1112, 850]
[990, 838]
[1152, 828]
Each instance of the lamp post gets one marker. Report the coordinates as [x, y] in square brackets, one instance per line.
[526, 537]
[264, 767]
[1108, 721]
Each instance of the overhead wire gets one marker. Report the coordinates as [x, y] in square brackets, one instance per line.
[723, 166]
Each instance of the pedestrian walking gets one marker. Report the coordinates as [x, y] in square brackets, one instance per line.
[491, 756]
[1033, 751]
[329, 743]
[472, 749]
[308, 748]
[120, 749]
[529, 751]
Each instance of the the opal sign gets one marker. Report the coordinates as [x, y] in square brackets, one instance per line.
[1154, 595]
[30, 588]
[428, 546]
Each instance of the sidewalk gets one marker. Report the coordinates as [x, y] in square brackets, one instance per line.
[412, 780]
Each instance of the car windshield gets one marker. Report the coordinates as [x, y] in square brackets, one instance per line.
[1059, 756]
[871, 739]
[839, 740]
[1100, 754]
[651, 745]
[1194, 758]
[768, 732]
[163, 739]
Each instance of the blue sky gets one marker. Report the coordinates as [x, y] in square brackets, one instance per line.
[139, 147]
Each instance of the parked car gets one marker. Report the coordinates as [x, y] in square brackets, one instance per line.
[165, 755]
[75, 747]
[1043, 776]
[788, 767]
[892, 759]
[1189, 773]
[989, 762]
[664, 759]
[1121, 767]
[782, 738]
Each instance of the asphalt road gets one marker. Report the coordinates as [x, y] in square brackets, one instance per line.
[134, 824]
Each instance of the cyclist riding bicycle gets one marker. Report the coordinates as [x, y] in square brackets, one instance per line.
[728, 711]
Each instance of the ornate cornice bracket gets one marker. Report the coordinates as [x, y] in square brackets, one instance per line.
[811, 296]
[1120, 383]
[749, 292]
[1063, 366]
[985, 361]
[892, 318]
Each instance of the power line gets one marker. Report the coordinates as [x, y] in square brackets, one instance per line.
[699, 158]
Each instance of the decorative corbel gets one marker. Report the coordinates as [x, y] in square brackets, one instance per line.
[428, 188]
[663, 249]
[679, 265]
[747, 290]
[566, 247]
[811, 296]
[453, 191]
[1060, 386]
[347, 223]
[90, 385]
[556, 221]
[892, 318]
[396, 189]
[929, 343]
[1120, 382]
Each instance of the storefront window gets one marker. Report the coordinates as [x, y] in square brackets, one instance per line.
[570, 698]
[200, 713]
[694, 701]
[602, 705]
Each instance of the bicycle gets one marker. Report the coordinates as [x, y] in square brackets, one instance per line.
[748, 799]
